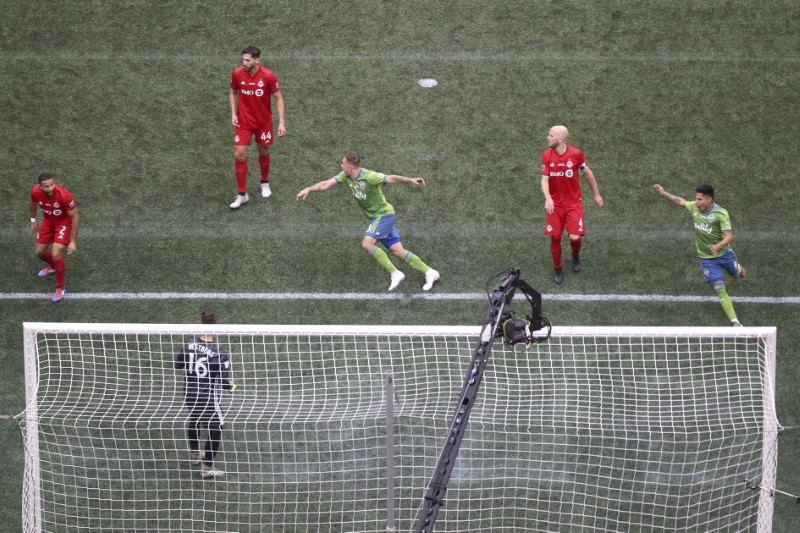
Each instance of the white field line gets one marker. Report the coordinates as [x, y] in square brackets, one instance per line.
[664, 298]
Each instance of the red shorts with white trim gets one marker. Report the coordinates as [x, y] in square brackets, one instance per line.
[565, 216]
[264, 136]
[54, 232]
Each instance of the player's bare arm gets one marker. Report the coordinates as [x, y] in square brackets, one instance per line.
[76, 224]
[278, 96]
[323, 185]
[726, 240]
[394, 178]
[32, 212]
[589, 176]
[549, 206]
[671, 197]
[233, 98]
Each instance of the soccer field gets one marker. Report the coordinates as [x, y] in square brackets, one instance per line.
[126, 103]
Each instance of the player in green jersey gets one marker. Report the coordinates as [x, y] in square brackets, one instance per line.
[367, 189]
[712, 237]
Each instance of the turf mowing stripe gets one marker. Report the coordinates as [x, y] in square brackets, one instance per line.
[387, 296]
[61, 57]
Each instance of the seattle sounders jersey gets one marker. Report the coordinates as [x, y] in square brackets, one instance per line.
[367, 189]
[709, 229]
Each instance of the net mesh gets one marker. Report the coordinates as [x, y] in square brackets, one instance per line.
[586, 432]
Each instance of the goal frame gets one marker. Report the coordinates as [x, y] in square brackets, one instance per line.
[32, 487]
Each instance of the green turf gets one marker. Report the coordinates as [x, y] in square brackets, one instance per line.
[126, 104]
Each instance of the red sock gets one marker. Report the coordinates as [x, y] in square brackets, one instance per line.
[576, 245]
[263, 162]
[241, 175]
[48, 258]
[60, 267]
[555, 251]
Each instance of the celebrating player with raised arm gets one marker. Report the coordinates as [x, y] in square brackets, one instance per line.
[59, 228]
[367, 189]
[253, 87]
[713, 236]
[207, 372]
[562, 196]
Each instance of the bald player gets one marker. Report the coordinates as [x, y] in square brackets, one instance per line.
[562, 196]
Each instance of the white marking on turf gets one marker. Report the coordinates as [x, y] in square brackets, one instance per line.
[444, 296]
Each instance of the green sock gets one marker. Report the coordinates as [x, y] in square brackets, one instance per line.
[415, 262]
[383, 260]
[725, 300]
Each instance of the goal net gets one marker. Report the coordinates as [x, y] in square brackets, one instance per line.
[339, 428]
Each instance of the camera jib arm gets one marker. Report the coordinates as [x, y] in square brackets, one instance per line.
[498, 322]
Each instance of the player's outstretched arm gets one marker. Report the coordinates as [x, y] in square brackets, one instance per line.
[317, 187]
[671, 197]
[394, 178]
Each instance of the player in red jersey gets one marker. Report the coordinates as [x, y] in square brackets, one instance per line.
[562, 196]
[252, 89]
[59, 228]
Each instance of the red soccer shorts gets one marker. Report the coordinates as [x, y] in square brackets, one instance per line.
[264, 137]
[54, 232]
[565, 216]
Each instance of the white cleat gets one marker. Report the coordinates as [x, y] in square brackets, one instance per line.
[397, 277]
[240, 200]
[210, 471]
[431, 277]
[266, 192]
[736, 324]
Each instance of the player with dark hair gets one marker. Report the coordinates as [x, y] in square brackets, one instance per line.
[712, 238]
[58, 230]
[253, 87]
[563, 200]
[207, 371]
[367, 189]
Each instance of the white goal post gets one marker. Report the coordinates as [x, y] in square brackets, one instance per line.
[338, 428]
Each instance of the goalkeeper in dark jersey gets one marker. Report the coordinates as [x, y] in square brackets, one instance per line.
[207, 372]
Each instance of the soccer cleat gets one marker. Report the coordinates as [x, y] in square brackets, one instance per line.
[46, 271]
[576, 263]
[266, 192]
[196, 457]
[59, 295]
[559, 277]
[431, 277]
[240, 199]
[397, 277]
[210, 471]
[735, 323]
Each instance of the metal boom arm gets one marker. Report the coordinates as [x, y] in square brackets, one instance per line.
[434, 497]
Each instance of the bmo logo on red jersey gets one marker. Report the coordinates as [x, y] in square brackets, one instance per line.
[569, 173]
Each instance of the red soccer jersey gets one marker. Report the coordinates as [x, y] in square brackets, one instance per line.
[255, 101]
[565, 187]
[54, 207]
